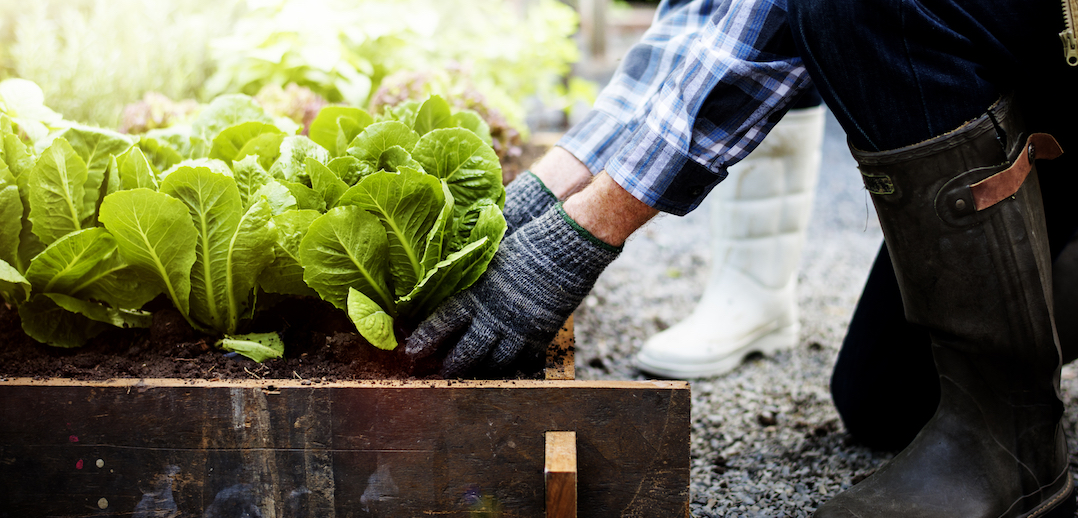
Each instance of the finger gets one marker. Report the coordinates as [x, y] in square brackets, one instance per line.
[470, 351]
[449, 318]
[505, 352]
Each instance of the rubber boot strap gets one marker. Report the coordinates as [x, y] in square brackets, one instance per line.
[1005, 183]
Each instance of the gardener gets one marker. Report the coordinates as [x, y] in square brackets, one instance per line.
[933, 102]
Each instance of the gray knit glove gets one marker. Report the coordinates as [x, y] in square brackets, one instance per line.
[526, 197]
[535, 281]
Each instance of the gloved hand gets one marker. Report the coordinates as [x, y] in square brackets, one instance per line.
[526, 197]
[538, 277]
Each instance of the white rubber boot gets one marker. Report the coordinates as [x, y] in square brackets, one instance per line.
[758, 219]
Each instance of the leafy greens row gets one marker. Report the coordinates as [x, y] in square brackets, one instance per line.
[382, 216]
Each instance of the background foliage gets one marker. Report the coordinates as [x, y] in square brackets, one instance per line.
[92, 57]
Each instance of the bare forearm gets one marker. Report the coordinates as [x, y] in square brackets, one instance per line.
[562, 173]
[608, 211]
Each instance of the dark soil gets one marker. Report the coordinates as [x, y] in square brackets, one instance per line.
[320, 345]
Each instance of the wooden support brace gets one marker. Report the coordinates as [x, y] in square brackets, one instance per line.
[560, 474]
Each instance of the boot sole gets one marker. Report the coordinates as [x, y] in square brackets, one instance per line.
[783, 338]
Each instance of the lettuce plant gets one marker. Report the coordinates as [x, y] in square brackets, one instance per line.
[383, 218]
[419, 224]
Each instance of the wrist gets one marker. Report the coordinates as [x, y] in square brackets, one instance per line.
[607, 211]
[584, 233]
[562, 173]
[525, 198]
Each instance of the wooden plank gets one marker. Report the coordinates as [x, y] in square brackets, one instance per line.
[445, 448]
[560, 475]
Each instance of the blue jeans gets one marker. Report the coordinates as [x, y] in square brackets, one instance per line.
[898, 72]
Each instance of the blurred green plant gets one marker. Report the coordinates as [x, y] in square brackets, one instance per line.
[91, 57]
[343, 50]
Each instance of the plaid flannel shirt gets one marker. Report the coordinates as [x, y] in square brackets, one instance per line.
[706, 83]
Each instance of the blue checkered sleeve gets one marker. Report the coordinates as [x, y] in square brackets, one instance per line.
[701, 89]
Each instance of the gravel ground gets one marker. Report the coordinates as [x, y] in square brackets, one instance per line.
[766, 440]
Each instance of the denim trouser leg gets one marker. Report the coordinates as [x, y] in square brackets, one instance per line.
[897, 72]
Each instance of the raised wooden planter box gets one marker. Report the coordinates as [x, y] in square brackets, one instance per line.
[149, 448]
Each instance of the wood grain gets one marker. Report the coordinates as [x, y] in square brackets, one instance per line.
[284, 450]
[560, 474]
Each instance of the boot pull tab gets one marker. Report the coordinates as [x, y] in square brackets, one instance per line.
[1005, 183]
[981, 188]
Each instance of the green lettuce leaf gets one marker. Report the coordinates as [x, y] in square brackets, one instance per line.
[15, 152]
[154, 233]
[349, 130]
[347, 248]
[372, 322]
[122, 318]
[250, 177]
[226, 111]
[285, 274]
[348, 168]
[369, 145]
[473, 122]
[60, 202]
[292, 164]
[278, 196]
[256, 346]
[267, 147]
[491, 226]
[47, 322]
[461, 231]
[465, 162]
[135, 170]
[306, 197]
[394, 158]
[328, 126]
[441, 281]
[96, 147]
[433, 114]
[437, 239]
[20, 164]
[14, 288]
[460, 269]
[405, 112]
[407, 203]
[213, 202]
[232, 248]
[325, 182]
[87, 264]
[161, 154]
[11, 213]
[228, 144]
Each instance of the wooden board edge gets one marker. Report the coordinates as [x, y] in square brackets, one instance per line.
[272, 384]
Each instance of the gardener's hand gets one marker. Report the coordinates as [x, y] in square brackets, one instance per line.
[536, 280]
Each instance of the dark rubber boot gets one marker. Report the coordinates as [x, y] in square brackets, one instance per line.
[973, 267]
